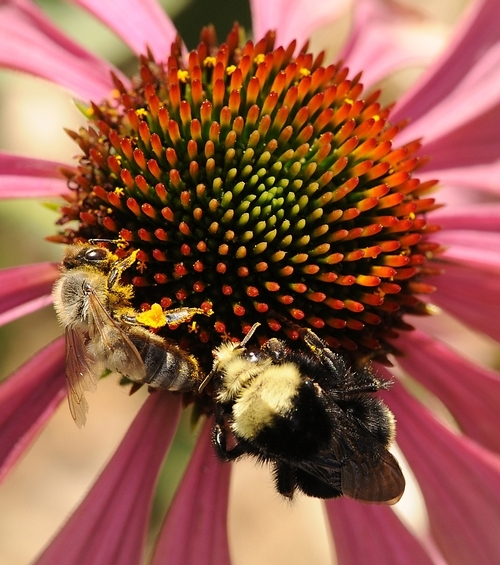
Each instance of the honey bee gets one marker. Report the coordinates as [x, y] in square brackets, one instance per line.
[309, 415]
[103, 330]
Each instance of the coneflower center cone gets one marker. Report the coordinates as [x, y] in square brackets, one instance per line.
[262, 185]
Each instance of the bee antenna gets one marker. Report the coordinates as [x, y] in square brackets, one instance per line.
[206, 380]
[242, 343]
[286, 321]
[249, 335]
[118, 242]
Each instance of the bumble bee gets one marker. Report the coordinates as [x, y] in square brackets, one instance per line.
[309, 415]
[103, 330]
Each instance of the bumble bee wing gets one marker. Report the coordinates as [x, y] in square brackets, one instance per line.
[123, 356]
[370, 479]
[319, 478]
[81, 375]
[373, 479]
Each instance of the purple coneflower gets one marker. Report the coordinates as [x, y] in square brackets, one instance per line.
[267, 183]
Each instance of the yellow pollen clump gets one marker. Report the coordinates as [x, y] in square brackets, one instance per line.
[141, 112]
[230, 70]
[153, 318]
[260, 58]
[133, 256]
[119, 191]
[376, 117]
[348, 101]
[122, 244]
[182, 75]
[209, 62]
[304, 72]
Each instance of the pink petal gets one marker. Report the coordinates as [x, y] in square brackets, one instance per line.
[27, 400]
[374, 46]
[18, 165]
[459, 479]
[465, 249]
[482, 177]
[372, 534]
[465, 245]
[477, 249]
[470, 392]
[110, 525]
[140, 23]
[471, 143]
[463, 83]
[453, 196]
[471, 294]
[480, 217]
[25, 289]
[293, 19]
[30, 43]
[195, 529]
[23, 177]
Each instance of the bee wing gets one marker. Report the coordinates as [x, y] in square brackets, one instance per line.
[375, 478]
[123, 355]
[81, 375]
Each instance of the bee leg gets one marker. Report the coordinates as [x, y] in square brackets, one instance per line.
[319, 348]
[174, 316]
[119, 267]
[284, 479]
[219, 442]
[313, 341]
[134, 388]
[182, 315]
[353, 382]
[129, 319]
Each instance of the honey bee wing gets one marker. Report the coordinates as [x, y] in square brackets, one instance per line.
[374, 478]
[123, 355]
[81, 375]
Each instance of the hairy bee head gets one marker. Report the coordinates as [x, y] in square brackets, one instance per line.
[98, 258]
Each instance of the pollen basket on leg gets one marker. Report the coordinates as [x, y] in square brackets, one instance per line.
[256, 180]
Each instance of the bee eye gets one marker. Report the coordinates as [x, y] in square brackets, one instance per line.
[97, 254]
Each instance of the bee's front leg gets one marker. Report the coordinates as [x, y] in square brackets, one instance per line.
[220, 444]
[118, 268]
